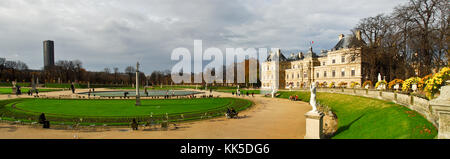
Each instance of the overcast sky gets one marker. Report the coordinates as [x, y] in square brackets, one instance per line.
[113, 33]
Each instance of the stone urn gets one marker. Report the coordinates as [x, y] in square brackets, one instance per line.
[397, 86]
[414, 87]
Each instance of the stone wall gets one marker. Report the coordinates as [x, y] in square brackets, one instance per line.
[437, 111]
[420, 105]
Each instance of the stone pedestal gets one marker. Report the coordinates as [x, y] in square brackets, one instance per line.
[442, 107]
[14, 90]
[314, 125]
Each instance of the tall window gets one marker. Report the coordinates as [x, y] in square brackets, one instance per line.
[324, 73]
[305, 75]
[334, 61]
[343, 72]
[333, 73]
[343, 59]
[353, 72]
[317, 74]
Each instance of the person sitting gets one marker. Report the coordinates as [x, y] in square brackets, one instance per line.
[228, 114]
[233, 113]
[296, 97]
[42, 118]
[134, 125]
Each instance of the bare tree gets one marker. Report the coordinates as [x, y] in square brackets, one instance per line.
[129, 70]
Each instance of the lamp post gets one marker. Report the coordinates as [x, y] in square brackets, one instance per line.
[138, 100]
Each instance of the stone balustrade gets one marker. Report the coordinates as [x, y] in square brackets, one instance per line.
[437, 111]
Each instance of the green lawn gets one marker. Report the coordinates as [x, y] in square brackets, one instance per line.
[367, 118]
[4, 90]
[118, 111]
[119, 107]
[164, 87]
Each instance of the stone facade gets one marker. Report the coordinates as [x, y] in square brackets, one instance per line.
[343, 64]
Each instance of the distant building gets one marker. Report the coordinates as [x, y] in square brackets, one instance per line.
[342, 64]
[49, 53]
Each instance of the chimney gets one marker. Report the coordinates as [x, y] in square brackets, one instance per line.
[358, 35]
[278, 52]
[341, 36]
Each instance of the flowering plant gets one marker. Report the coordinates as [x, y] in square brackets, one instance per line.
[410, 81]
[321, 84]
[342, 84]
[331, 85]
[394, 82]
[353, 84]
[367, 83]
[380, 82]
[436, 82]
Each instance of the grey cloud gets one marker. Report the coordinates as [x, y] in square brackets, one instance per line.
[114, 33]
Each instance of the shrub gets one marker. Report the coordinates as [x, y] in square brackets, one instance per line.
[354, 84]
[331, 85]
[379, 83]
[394, 82]
[410, 81]
[342, 84]
[367, 83]
[436, 82]
[322, 84]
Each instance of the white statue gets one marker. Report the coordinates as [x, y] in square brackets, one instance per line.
[379, 77]
[312, 100]
[273, 91]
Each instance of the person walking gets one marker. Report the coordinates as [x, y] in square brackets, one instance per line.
[72, 87]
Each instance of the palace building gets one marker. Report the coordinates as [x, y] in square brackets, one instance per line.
[340, 66]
